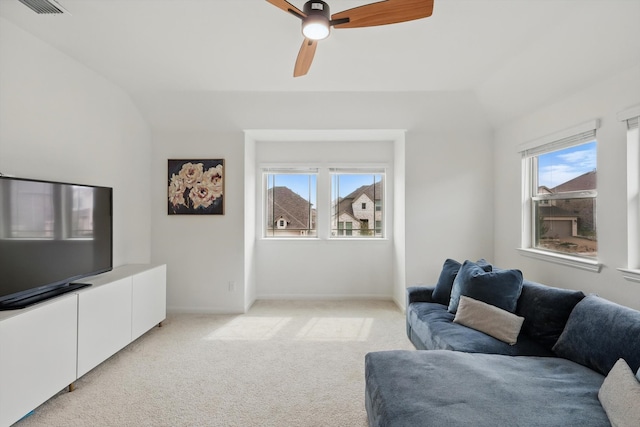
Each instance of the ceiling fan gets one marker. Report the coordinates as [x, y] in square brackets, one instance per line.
[317, 21]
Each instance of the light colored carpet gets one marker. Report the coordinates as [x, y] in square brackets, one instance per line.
[285, 363]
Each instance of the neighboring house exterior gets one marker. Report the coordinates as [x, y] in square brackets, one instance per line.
[289, 214]
[359, 213]
[569, 217]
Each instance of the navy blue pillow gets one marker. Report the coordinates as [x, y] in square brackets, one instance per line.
[598, 333]
[442, 292]
[500, 288]
[545, 310]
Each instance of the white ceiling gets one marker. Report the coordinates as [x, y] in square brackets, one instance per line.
[514, 55]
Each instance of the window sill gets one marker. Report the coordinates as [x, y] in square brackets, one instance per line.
[290, 239]
[357, 239]
[566, 260]
[630, 274]
[332, 239]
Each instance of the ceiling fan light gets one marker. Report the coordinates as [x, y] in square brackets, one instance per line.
[315, 27]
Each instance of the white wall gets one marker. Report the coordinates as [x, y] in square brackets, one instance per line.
[203, 253]
[61, 121]
[449, 198]
[601, 100]
[448, 210]
[322, 268]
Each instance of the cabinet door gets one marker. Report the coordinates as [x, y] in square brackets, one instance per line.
[37, 356]
[149, 300]
[104, 322]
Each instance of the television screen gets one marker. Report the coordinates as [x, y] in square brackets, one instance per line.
[51, 234]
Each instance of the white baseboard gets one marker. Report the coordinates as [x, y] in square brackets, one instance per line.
[282, 297]
[325, 297]
[207, 310]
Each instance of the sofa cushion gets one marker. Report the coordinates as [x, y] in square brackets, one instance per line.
[450, 388]
[620, 394]
[638, 375]
[545, 310]
[432, 328]
[489, 319]
[598, 333]
[500, 287]
[442, 291]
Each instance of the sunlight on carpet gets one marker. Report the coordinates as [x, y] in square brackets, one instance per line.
[336, 329]
[249, 328]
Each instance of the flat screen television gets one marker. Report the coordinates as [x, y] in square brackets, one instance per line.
[51, 235]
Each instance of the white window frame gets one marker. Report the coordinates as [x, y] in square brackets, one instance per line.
[576, 135]
[631, 118]
[323, 199]
[361, 170]
[286, 170]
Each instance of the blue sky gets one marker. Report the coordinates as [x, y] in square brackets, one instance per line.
[299, 184]
[561, 166]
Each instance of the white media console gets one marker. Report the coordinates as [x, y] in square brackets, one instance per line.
[47, 347]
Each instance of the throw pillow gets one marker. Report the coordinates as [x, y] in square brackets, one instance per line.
[500, 287]
[489, 319]
[598, 333]
[546, 310]
[442, 292]
[638, 375]
[619, 396]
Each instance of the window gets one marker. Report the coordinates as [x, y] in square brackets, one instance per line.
[345, 228]
[560, 196]
[352, 202]
[631, 117]
[290, 198]
[357, 199]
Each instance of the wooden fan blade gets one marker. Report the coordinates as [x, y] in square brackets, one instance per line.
[383, 13]
[305, 57]
[288, 7]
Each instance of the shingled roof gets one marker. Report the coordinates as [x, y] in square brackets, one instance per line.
[585, 181]
[372, 191]
[289, 205]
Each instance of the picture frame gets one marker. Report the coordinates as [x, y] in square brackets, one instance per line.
[195, 187]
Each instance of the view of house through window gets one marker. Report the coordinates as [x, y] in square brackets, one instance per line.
[356, 208]
[357, 204]
[564, 200]
[290, 209]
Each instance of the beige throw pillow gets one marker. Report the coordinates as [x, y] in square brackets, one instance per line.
[620, 396]
[489, 319]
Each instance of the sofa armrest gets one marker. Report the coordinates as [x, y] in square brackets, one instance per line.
[419, 294]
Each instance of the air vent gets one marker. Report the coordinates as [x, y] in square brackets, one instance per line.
[44, 6]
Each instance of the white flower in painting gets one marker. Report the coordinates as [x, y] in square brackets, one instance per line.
[191, 174]
[213, 179]
[176, 191]
[202, 195]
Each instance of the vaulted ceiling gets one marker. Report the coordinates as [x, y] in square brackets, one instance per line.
[514, 55]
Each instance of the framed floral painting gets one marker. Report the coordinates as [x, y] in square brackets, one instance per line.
[196, 187]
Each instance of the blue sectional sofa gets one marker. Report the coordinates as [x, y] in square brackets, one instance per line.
[567, 344]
